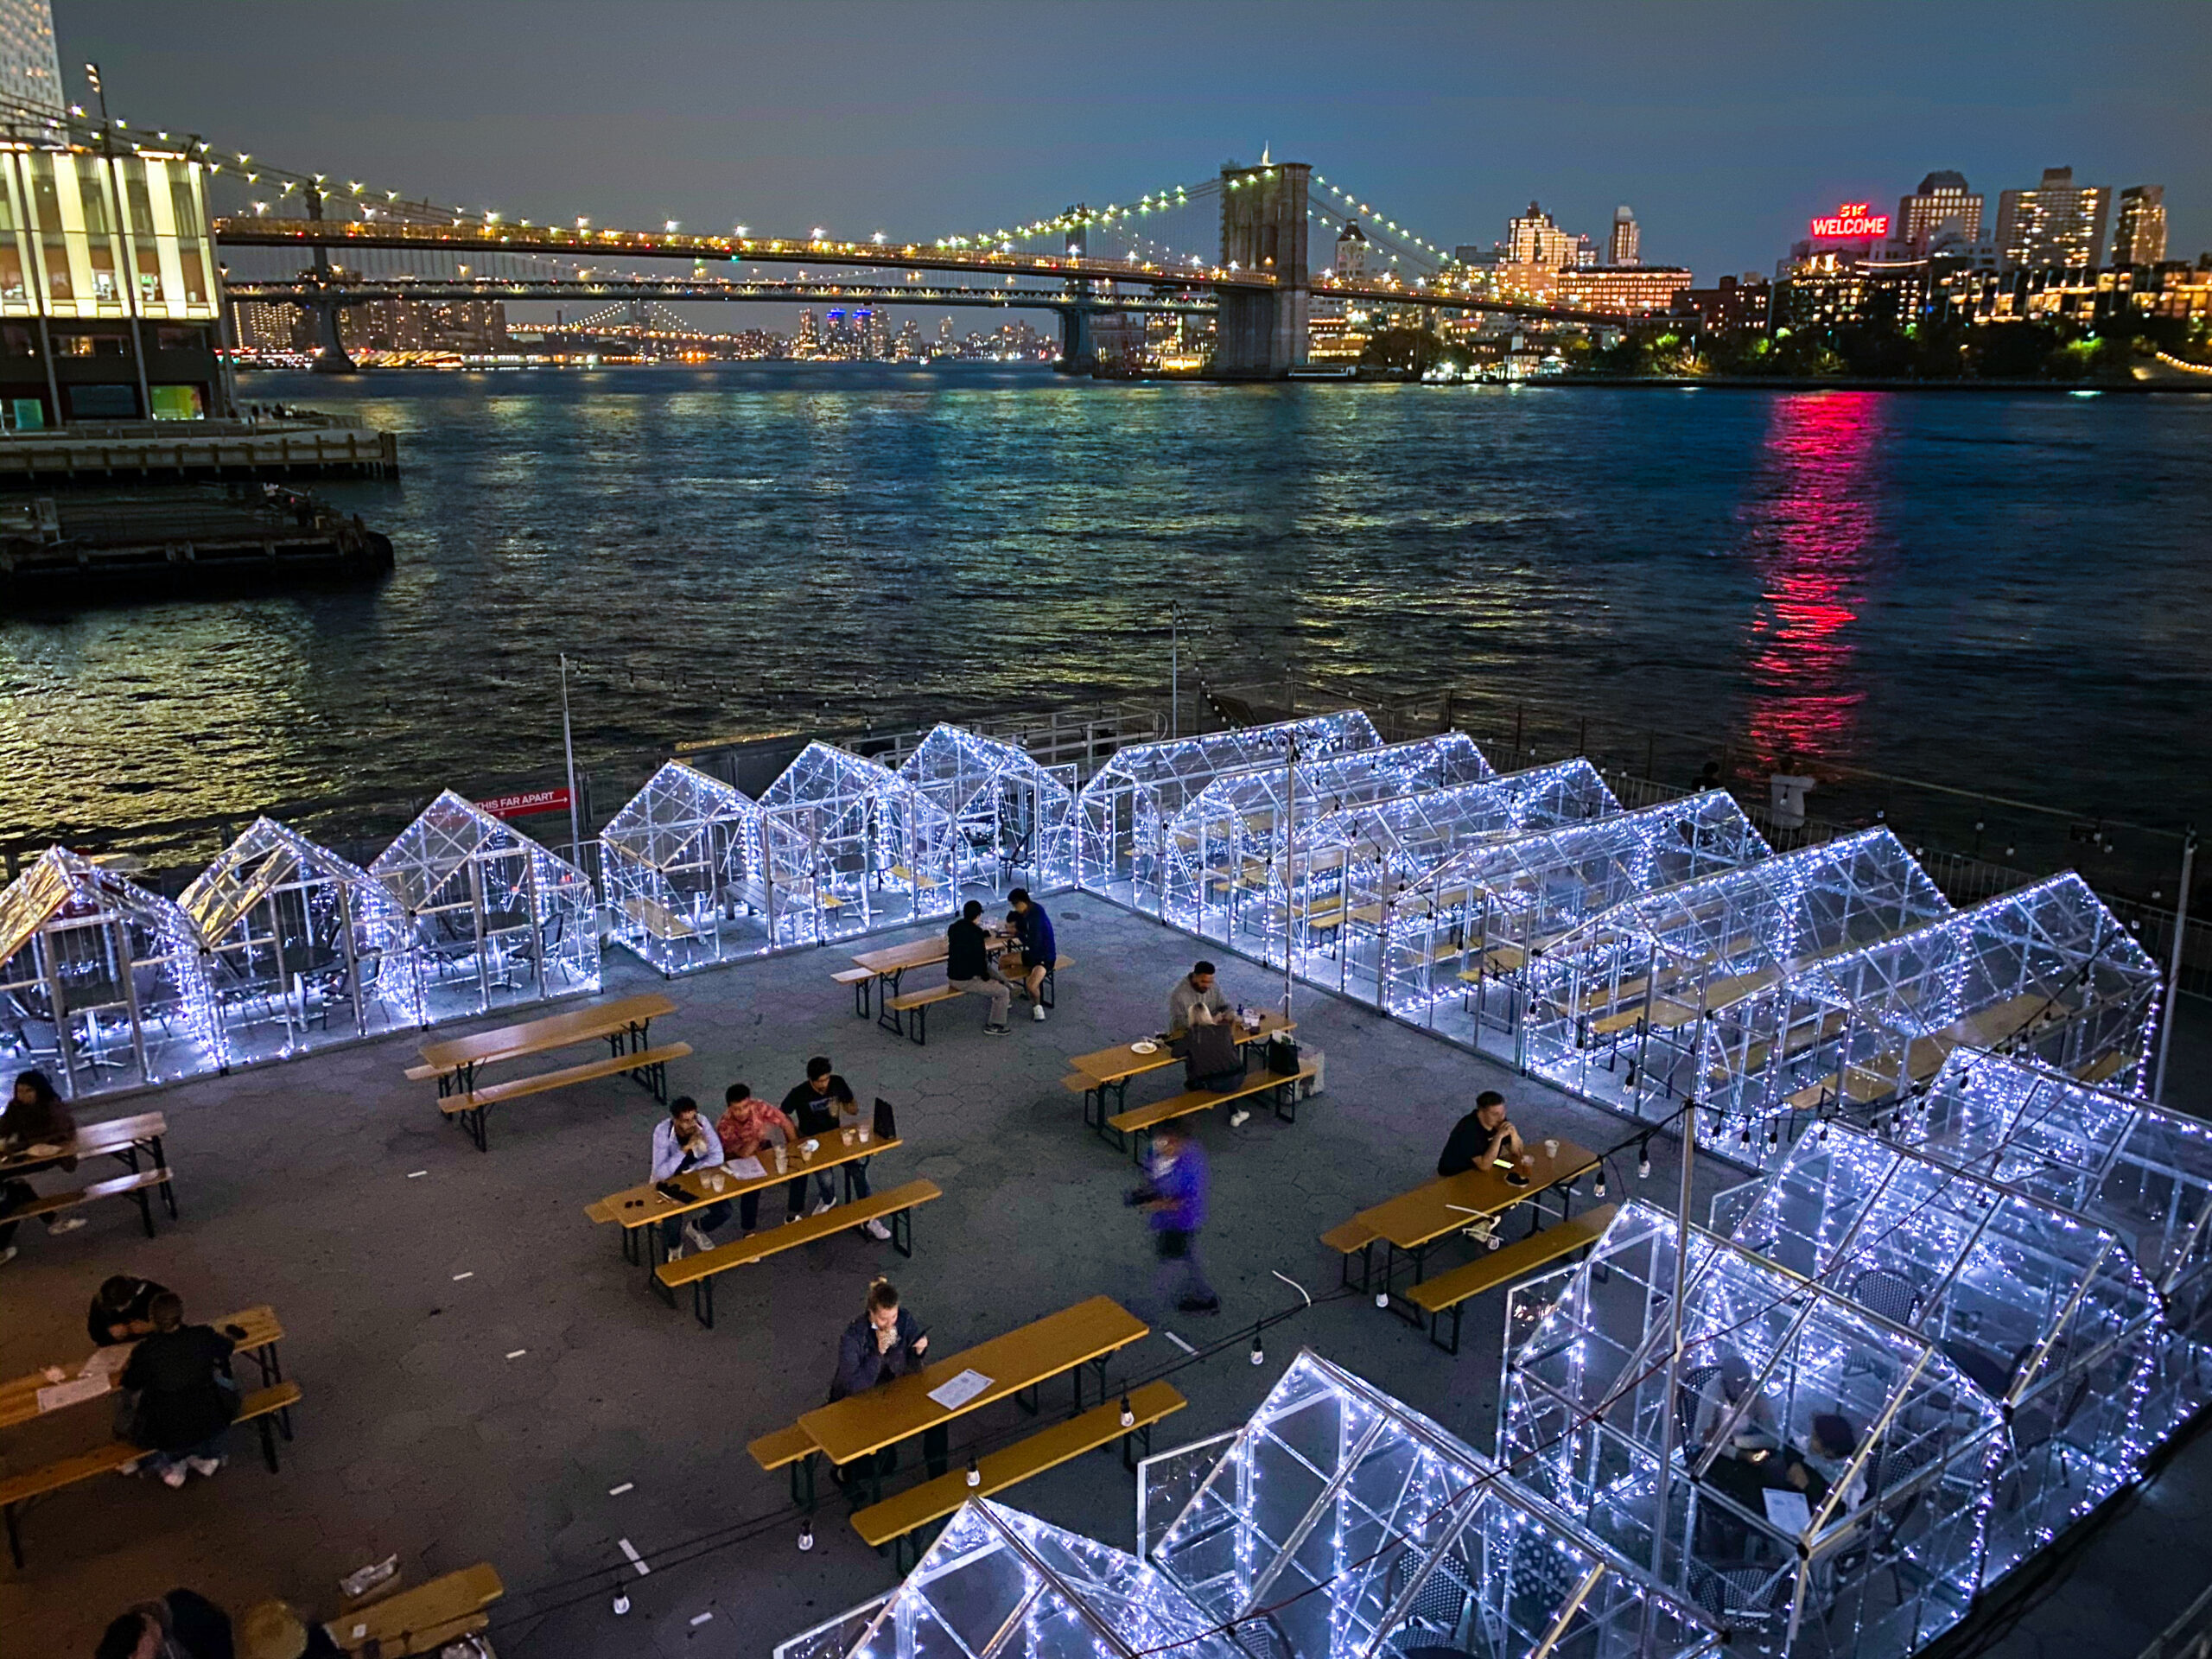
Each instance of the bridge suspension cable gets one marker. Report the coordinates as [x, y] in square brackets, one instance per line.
[1109, 217]
[1337, 205]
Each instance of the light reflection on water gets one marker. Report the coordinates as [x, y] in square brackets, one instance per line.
[1999, 591]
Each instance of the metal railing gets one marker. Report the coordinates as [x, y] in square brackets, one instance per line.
[2189, 1636]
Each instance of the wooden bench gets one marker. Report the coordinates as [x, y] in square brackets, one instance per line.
[698, 1271]
[1454, 1289]
[919, 1003]
[1138, 1122]
[1353, 1237]
[659, 919]
[896, 1520]
[860, 979]
[792, 1448]
[421, 1620]
[266, 1408]
[470, 1107]
[133, 1187]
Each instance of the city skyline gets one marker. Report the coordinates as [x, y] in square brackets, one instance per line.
[961, 115]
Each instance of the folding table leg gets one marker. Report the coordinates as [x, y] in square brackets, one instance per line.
[268, 1442]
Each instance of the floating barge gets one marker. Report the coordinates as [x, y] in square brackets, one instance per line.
[77, 548]
[300, 444]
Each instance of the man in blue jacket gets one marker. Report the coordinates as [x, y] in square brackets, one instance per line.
[1177, 1200]
[1033, 928]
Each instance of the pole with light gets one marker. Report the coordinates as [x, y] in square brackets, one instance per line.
[568, 748]
[1175, 668]
[92, 79]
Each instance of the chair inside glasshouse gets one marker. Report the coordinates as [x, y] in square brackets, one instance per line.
[1127, 805]
[682, 863]
[1339, 1523]
[303, 948]
[1455, 945]
[851, 848]
[1827, 1475]
[102, 982]
[1012, 820]
[2142, 1173]
[2046, 1311]
[1681, 992]
[498, 919]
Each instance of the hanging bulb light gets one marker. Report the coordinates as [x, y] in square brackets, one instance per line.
[1644, 1161]
[1128, 1413]
[974, 1475]
[621, 1603]
[806, 1537]
[1259, 1353]
[1597, 1186]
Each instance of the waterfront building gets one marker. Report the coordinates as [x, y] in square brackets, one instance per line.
[1534, 240]
[1943, 212]
[473, 327]
[1351, 253]
[2072, 294]
[29, 71]
[108, 304]
[1622, 248]
[261, 325]
[2139, 235]
[1635, 290]
[1734, 305]
[2057, 223]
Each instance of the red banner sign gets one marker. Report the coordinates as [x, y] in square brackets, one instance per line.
[526, 804]
[1851, 220]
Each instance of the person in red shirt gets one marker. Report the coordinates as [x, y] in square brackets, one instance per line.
[743, 1128]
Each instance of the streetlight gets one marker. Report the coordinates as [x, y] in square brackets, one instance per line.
[92, 78]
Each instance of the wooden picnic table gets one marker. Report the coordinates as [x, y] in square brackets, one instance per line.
[19, 1399]
[896, 959]
[1414, 1222]
[625, 1025]
[421, 1620]
[645, 1204]
[1122, 1062]
[121, 1138]
[463, 1054]
[1016, 1363]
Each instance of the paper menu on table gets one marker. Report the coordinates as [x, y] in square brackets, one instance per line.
[58, 1394]
[960, 1390]
[745, 1169]
[1787, 1510]
[107, 1361]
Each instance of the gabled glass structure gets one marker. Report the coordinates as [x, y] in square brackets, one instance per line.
[1128, 804]
[2142, 1173]
[303, 948]
[2044, 1310]
[998, 1584]
[1687, 991]
[2046, 971]
[1012, 819]
[1241, 824]
[1451, 948]
[682, 865]
[497, 919]
[1340, 1524]
[1878, 1551]
[102, 984]
[851, 847]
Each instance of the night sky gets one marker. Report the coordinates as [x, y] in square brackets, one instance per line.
[1726, 125]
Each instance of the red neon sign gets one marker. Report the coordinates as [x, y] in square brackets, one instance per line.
[1851, 220]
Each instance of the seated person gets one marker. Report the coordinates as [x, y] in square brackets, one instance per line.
[123, 1310]
[1195, 989]
[1828, 1451]
[1033, 930]
[682, 1142]
[1755, 1434]
[743, 1129]
[885, 1343]
[1212, 1058]
[1484, 1139]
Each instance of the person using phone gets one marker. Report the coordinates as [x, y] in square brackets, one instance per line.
[1484, 1139]
[885, 1343]
[683, 1141]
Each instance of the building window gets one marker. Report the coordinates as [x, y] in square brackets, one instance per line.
[77, 342]
[23, 414]
[178, 403]
[104, 402]
[16, 341]
[178, 340]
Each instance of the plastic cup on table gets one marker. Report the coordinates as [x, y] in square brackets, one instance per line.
[845, 1137]
[779, 1161]
[864, 1133]
[1551, 1147]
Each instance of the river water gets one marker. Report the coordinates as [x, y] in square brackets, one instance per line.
[2009, 593]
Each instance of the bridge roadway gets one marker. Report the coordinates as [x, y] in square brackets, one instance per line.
[471, 238]
[307, 291]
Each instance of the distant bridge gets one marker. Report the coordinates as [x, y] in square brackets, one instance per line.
[308, 291]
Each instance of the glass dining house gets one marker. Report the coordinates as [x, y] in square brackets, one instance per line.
[303, 948]
[103, 984]
[497, 919]
[683, 863]
[1012, 819]
[849, 847]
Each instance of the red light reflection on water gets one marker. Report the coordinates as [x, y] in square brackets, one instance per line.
[1810, 531]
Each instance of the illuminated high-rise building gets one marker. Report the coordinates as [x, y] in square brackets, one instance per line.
[2057, 223]
[1534, 240]
[29, 71]
[1623, 247]
[2138, 236]
[1943, 212]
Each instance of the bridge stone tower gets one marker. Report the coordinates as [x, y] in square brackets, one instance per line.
[1262, 336]
[1077, 355]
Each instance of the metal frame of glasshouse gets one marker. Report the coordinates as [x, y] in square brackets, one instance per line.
[2046, 970]
[2143, 1173]
[1127, 804]
[851, 848]
[1013, 818]
[498, 919]
[1608, 1389]
[2045, 1310]
[999, 1583]
[681, 866]
[103, 984]
[1624, 1010]
[1488, 911]
[304, 947]
[1349, 858]
[1340, 1524]
[1240, 825]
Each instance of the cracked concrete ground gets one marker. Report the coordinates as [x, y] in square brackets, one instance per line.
[419, 1436]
